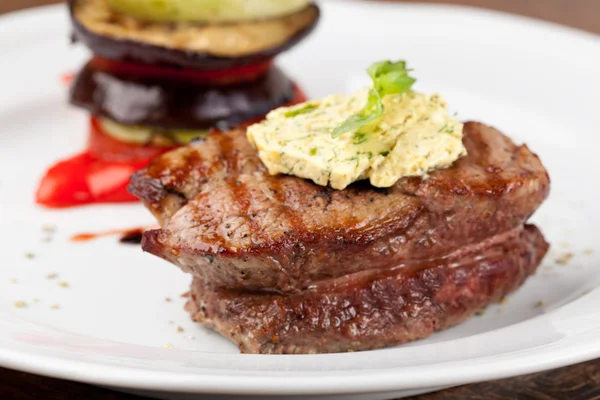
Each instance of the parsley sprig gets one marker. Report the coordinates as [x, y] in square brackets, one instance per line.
[388, 78]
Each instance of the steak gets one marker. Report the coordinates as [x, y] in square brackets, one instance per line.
[233, 226]
[372, 309]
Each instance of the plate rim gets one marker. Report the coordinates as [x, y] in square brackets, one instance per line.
[568, 350]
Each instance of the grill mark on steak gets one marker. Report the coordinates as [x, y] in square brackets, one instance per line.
[282, 195]
[302, 233]
[371, 309]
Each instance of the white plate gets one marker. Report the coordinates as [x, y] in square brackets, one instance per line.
[536, 81]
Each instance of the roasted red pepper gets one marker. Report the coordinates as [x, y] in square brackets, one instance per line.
[99, 175]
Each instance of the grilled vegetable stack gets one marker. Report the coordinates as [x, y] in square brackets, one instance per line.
[166, 73]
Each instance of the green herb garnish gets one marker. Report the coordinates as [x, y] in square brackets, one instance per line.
[446, 129]
[388, 78]
[300, 110]
[360, 138]
[313, 151]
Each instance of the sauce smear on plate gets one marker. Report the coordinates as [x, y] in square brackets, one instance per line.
[128, 236]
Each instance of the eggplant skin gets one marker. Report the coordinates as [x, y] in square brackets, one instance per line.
[178, 104]
[184, 44]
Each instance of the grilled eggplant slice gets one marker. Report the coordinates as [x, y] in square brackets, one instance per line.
[171, 104]
[206, 11]
[117, 36]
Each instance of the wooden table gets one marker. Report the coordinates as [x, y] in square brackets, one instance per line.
[579, 382]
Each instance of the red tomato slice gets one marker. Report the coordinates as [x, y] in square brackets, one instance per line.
[218, 76]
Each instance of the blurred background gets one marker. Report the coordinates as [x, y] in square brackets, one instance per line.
[583, 14]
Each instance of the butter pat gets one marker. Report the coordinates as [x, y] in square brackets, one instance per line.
[414, 136]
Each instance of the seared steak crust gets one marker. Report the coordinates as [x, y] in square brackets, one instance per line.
[228, 222]
[371, 309]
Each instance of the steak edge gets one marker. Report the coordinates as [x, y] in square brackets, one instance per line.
[228, 222]
[372, 309]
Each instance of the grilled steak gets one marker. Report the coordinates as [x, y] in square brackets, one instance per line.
[372, 309]
[232, 225]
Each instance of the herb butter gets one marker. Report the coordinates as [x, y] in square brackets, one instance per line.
[414, 135]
